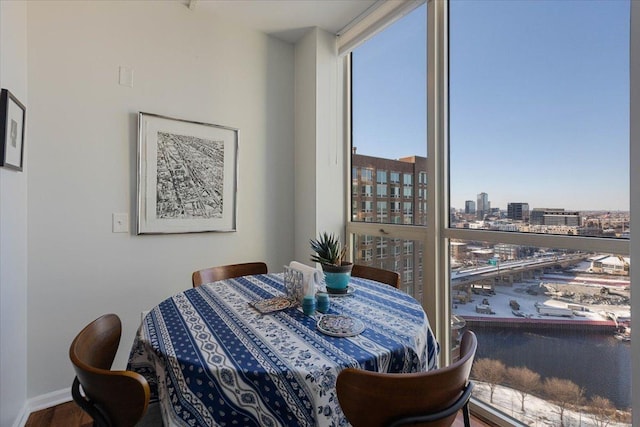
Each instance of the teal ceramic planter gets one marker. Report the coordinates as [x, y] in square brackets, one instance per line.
[337, 277]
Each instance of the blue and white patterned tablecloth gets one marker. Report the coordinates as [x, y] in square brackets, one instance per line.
[212, 359]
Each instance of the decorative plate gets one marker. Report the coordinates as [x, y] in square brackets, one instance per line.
[350, 291]
[272, 304]
[338, 325]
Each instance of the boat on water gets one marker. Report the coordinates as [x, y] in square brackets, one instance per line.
[622, 336]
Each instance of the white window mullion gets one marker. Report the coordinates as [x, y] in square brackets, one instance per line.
[404, 232]
[635, 201]
[436, 271]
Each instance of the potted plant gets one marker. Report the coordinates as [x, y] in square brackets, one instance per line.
[330, 253]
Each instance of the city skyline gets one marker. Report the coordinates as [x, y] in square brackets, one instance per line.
[538, 113]
[395, 192]
[531, 207]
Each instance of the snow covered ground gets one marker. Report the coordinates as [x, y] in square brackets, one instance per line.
[538, 412]
[499, 303]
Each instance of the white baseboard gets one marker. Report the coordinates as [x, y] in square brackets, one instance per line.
[49, 399]
[23, 416]
[42, 402]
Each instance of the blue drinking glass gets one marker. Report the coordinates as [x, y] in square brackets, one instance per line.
[322, 302]
[309, 305]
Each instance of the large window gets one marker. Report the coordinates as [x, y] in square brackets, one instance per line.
[517, 222]
[388, 104]
[539, 138]
[539, 116]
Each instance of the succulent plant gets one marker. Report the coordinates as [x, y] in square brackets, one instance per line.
[328, 249]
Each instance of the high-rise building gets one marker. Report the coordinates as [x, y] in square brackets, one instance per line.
[518, 211]
[483, 207]
[469, 207]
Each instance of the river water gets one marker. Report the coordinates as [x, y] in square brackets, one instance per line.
[597, 362]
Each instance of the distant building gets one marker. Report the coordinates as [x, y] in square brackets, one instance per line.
[482, 254]
[617, 265]
[469, 207]
[390, 191]
[507, 251]
[518, 211]
[478, 225]
[458, 250]
[483, 207]
[507, 227]
[568, 230]
[555, 217]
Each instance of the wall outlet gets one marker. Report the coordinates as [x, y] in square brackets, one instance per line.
[120, 223]
[125, 76]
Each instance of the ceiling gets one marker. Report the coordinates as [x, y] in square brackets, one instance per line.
[287, 20]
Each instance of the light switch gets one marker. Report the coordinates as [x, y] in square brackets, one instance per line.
[120, 223]
[125, 77]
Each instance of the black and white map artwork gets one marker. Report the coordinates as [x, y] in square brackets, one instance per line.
[190, 177]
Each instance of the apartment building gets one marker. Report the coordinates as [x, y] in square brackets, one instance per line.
[390, 191]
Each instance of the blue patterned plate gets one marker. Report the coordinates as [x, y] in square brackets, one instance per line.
[338, 325]
[272, 304]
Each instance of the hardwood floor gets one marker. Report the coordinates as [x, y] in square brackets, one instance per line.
[65, 415]
[70, 415]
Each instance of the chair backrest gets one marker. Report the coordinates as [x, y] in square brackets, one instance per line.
[371, 399]
[222, 272]
[121, 397]
[379, 275]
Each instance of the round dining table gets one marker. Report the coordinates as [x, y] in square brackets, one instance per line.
[214, 356]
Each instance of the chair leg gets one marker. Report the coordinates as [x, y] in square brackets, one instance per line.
[99, 419]
[465, 415]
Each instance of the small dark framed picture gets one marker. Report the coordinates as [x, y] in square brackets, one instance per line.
[12, 121]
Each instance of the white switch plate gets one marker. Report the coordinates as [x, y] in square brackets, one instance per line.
[120, 223]
[125, 76]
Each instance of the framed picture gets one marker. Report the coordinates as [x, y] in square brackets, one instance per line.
[12, 120]
[187, 176]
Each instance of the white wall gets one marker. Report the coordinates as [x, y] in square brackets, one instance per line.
[82, 160]
[13, 226]
[305, 147]
[330, 148]
[319, 148]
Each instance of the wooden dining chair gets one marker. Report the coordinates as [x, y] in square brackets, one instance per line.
[433, 398]
[222, 272]
[379, 275]
[111, 398]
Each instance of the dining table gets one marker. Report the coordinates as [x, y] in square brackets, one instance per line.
[213, 356]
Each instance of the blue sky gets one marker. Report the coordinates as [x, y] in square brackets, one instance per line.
[539, 100]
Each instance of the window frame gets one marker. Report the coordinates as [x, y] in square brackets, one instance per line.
[437, 233]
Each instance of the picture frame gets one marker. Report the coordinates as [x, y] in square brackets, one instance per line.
[12, 124]
[187, 176]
